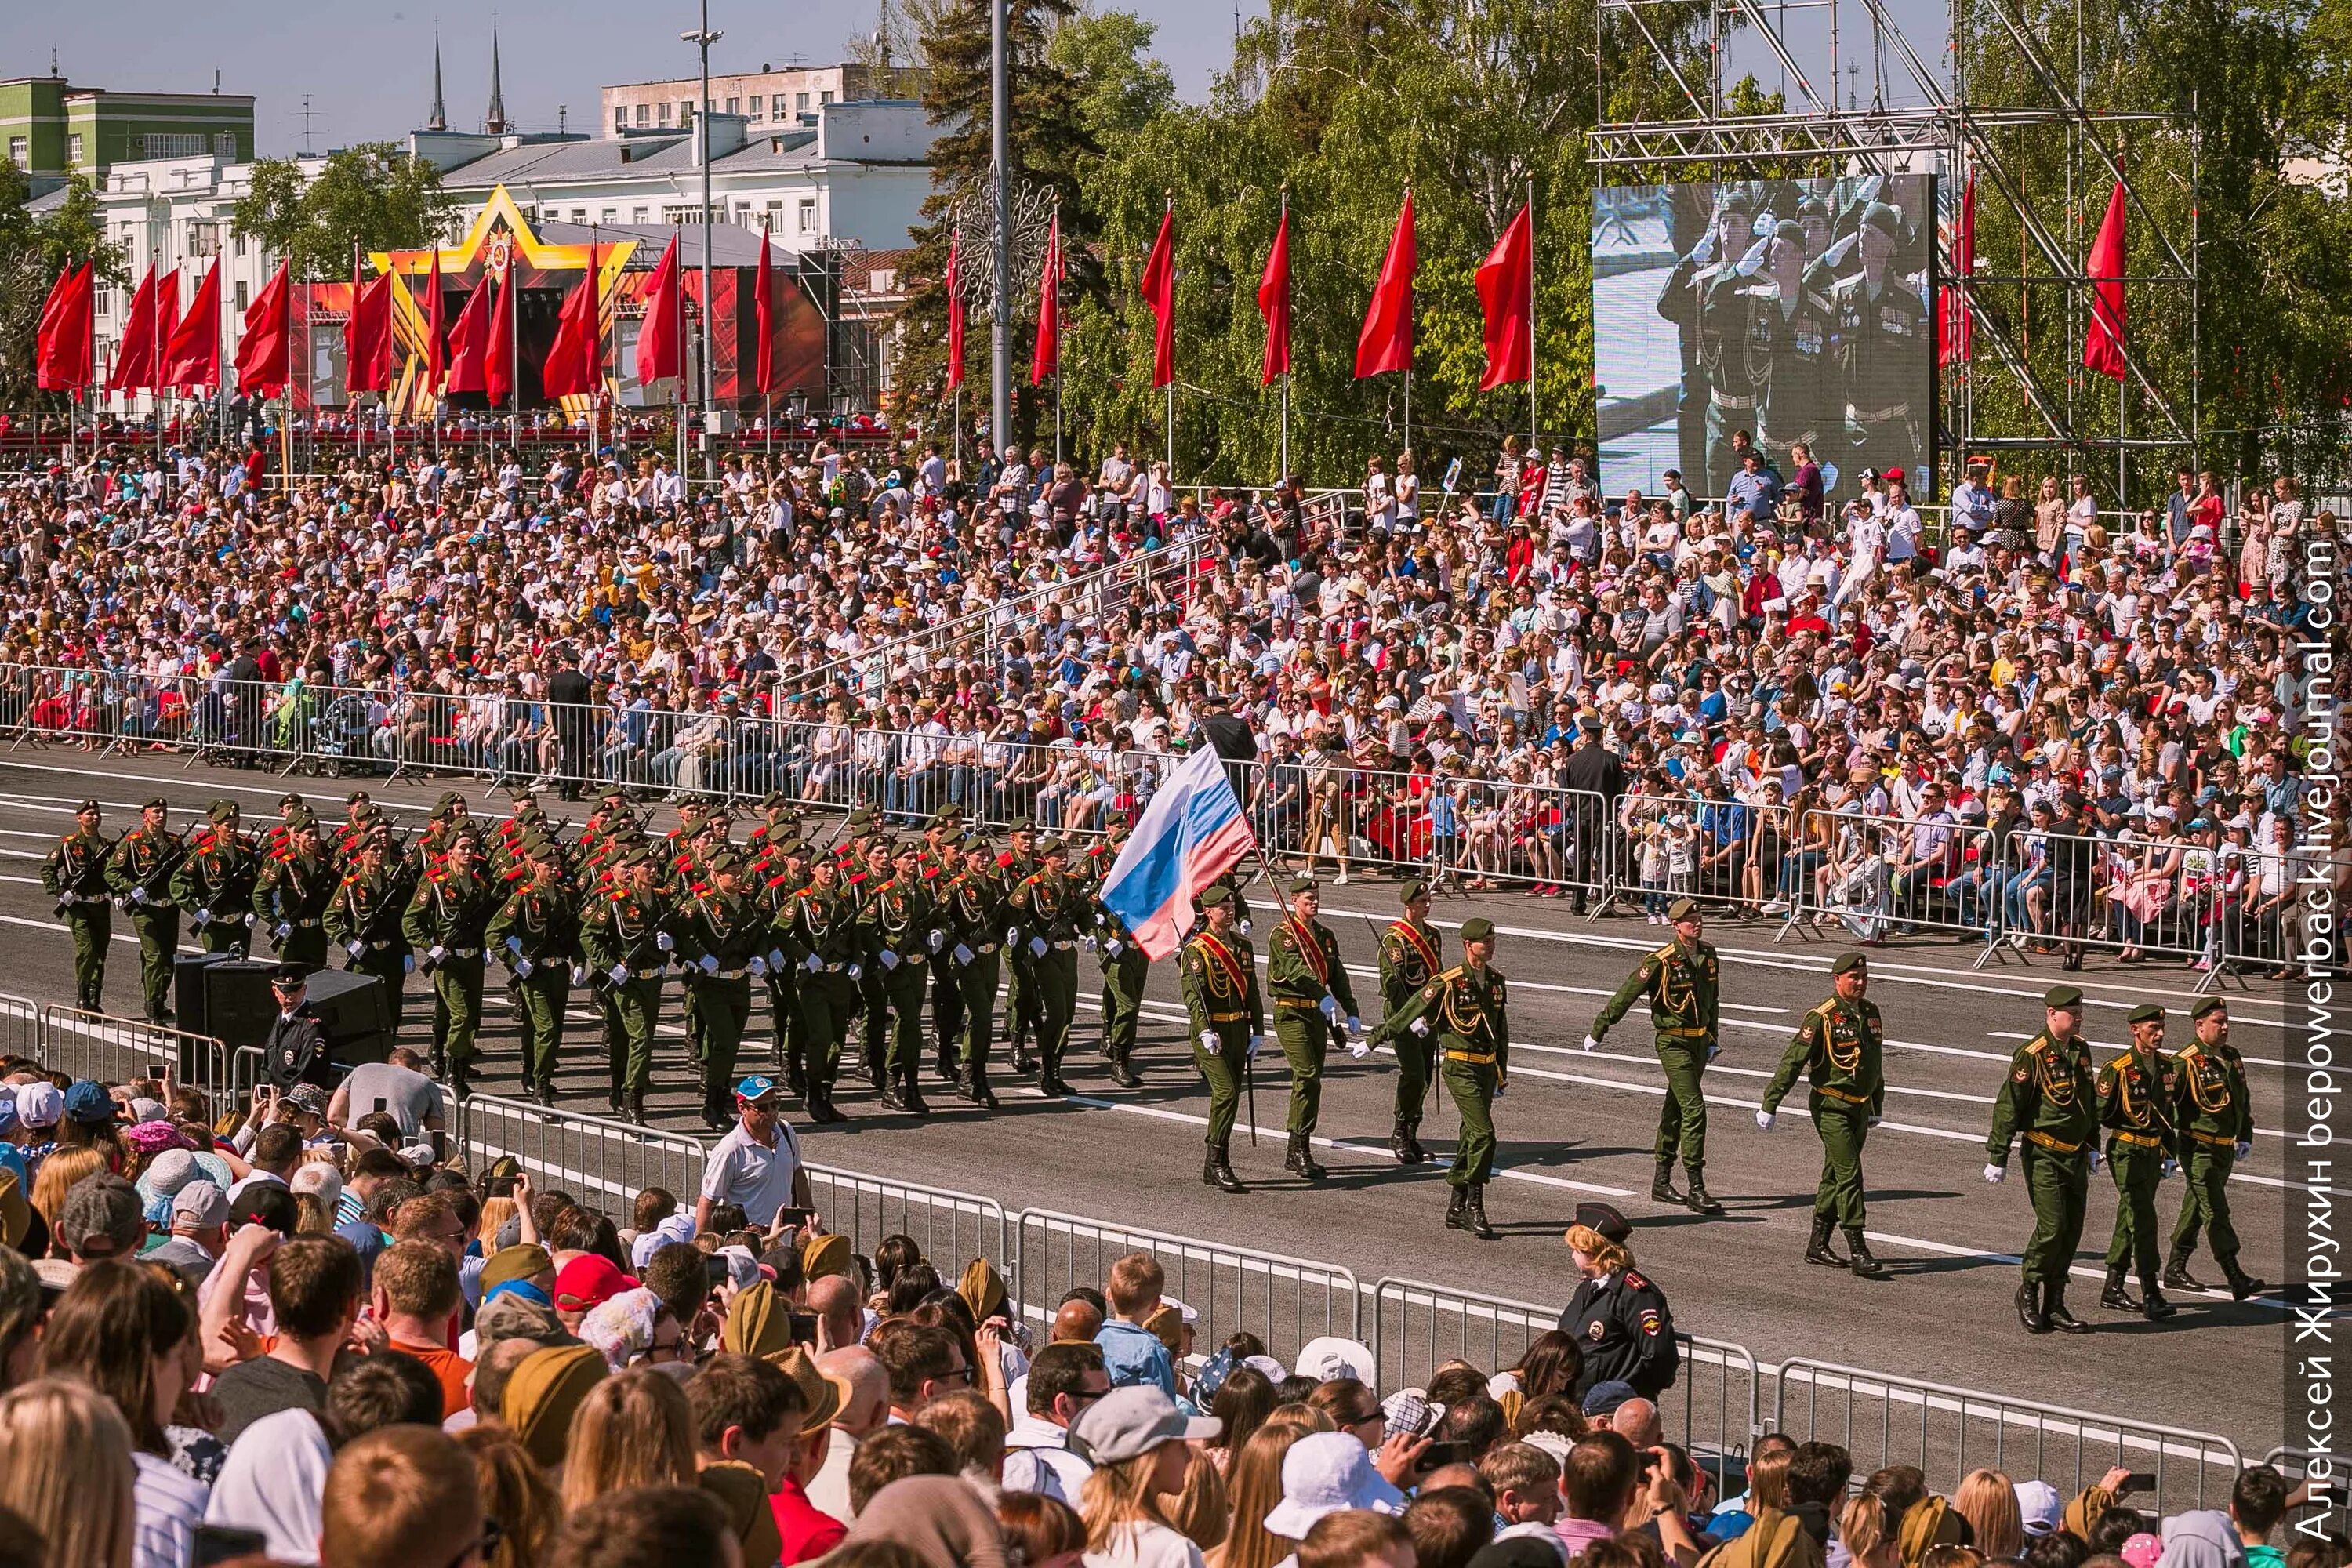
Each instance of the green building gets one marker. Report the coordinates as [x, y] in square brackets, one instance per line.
[49, 128]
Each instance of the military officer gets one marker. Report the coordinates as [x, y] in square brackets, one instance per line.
[2215, 1115]
[1879, 323]
[1227, 1014]
[626, 948]
[722, 941]
[1466, 1011]
[365, 916]
[818, 932]
[2138, 1092]
[75, 875]
[1312, 999]
[292, 893]
[2051, 1101]
[215, 882]
[1784, 343]
[1125, 970]
[139, 872]
[777, 874]
[1412, 955]
[902, 928]
[976, 910]
[1838, 1048]
[445, 922]
[536, 933]
[1018, 864]
[1044, 907]
[1680, 979]
[941, 853]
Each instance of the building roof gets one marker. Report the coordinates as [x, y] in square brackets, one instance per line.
[652, 157]
[730, 243]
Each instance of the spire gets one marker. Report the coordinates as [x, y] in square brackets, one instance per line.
[495, 125]
[438, 119]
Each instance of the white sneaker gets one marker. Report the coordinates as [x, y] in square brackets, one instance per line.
[1776, 907]
[1340, 880]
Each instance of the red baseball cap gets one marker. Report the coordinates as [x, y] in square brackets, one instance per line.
[589, 1281]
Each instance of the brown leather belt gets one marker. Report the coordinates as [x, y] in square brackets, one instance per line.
[2055, 1145]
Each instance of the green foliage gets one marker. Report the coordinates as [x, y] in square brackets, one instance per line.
[1108, 56]
[374, 195]
[33, 249]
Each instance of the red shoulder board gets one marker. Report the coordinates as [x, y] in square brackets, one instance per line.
[855, 878]
[517, 873]
[929, 872]
[1633, 1281]
[1004, 861]
[778, 880]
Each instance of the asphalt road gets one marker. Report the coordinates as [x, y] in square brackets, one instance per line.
[1574, 1125]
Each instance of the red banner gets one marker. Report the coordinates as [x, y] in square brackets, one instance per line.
[1386, 342]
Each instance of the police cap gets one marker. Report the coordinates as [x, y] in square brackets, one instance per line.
[221, 811]
[1300, 885]
[1682, 910]
[1605, 1219]
[1416, 888]
[1216, 896]
[1051, 845]
[86, 807]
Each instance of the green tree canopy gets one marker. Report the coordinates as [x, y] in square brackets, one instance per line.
[34, 249]
[375, 196]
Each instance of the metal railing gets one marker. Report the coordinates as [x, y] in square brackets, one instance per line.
[583, 1154]
[1878, 876]
[113, 1050]
[21, 1032]
[944, 1224]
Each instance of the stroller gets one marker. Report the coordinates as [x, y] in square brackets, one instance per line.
[339, 738]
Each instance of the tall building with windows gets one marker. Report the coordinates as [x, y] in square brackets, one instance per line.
[50, 128]
[768, 99]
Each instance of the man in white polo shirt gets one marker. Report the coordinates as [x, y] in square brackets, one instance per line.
[757, 1164]
[1064, 1383]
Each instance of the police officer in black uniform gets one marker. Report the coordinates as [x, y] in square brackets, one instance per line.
[1618, 1316]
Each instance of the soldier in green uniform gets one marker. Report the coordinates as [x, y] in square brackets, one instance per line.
[1412, 955]
[444, 923]
[215, 882]
[1680, 981]
[777, 874]
[818, 932]
[722, 939]
[2138, 1090]
[1837, 1047]
[365, 916]
[1311, 999]
[1125, 968]
[622, 936]
[943, 854]
[537, 933]
[2215, 1115]
[75, 875]
[1219, 974]
[291, 894]
[1467, 1010]
[139, 874]
[1020, 994]
[869, 868]
[1046, 908]
[1879, 325]
[902, 929]
[974, 904]
[2051, 1101]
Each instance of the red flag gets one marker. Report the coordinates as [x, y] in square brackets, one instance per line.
[763, 319]
[134, 356]
[1273, 304]
[436, 361]
[955, 314]
[499, 373]
[2102, 347]
[265, 353]
[1506, 293]
[1953, 327]
[61, 347]
[1386, 342]
[1043, 358]
[192, 358]
[469, 343]
[1160, 293]
[659, 350]
[367, 333]
[572, 368]
[167, 322]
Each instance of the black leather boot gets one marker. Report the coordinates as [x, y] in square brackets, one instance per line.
[1865, 1266]
[2054, 1307]
[2176, 1272]
[1397, 1144]
[2242, 1285]
[1301, 1158]
[1415, 1153]
[1050, 1077]
[714, 1103]
[890, 1099]
[1457, 1209]
[636, 1112]
[1123, 1073]
[2152, 1304]
[613, 1100]
[1219, 1170]
[461, 1082]
[2116, 1296]
[912, 1092]
[2029, 1309]
[1662, 1184]
[1475, 1212]
[1701, 1201]
[1817, 1247]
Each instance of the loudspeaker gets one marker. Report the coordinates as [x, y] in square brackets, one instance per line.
[355, 1013]
[238, 1005]
[188, 989]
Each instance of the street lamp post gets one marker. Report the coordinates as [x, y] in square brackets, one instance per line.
[999, 114]
[702, 38]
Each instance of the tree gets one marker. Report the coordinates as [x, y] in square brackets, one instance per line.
[34, 249]
[375, 196]
[1120, 83]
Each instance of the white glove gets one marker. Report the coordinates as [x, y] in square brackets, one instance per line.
[437, 953]
[889, 959]
[1012, 935]
[1208, 1041]
[938, 940]
[355, 948]
[1995, 1174]
[1037, 947]
[812, 963]
[1245, 928]
[1257, 1043]
[620, 974]
[2165, 1171]
[1357, 1047]
[662, 940]
[962, 954]
[1113, 948]
[1713, 1050]
[203, 917]
[1421, 1026]
[855, 972]
[408, 963]
[2245, 1147]
[1501, 1090]
[522, 967]
[710, 964]
[1875, 1120]
[1092, 945]
[281, 931]
[514, 944]
[1764, 1119]
[776, 958]
[1331, 1008]
[1591, 1042]
[2098, 1160]
[245, 918]
[138, 895]
[579, 974]
[757, 965]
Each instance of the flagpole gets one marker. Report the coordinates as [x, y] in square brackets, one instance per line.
[1169, 208]
[1533, 443]
[514, 355]
[1057, 286]
[1282, 229]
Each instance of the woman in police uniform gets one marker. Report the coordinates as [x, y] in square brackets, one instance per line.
[1619, 1316]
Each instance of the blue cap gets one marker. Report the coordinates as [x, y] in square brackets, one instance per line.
[1602, 1398]
[755, 1088]
[88, 1102]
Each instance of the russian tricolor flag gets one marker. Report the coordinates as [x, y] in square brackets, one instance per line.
[1190, 833]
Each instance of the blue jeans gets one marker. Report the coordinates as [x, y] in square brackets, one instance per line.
[2012, 902]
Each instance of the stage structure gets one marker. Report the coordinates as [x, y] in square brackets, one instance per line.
[2009, 113]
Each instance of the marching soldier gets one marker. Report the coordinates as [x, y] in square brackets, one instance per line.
[942, 853]
[276, 836]
[1311, 996]
[1680, 981]
[1125, 968]
[215, 882]
[1228, 1023]
[1019, 864]
[75, 875]
[1837, 1047]
[2051, 1101]
[292, 893]
[1044, 913]
[2215, 1115]
[722, 941]
[537, 931]
[818, 933]
[1466, 1009]
[780, 873]
[902, 929]
[625, 946]
[2137, 1092]
[366, 917]
[976, 912]
[1412, 955]
[448, 917]
[140, 873]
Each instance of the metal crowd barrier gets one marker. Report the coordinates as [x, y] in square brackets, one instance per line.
[1714, 1407]
[21, 1029]
[1284, 1301]
[114, 1050]
[946, 1225]
[1723, 852]
[1879, 876]
[1884, 1419]
[585, 1154]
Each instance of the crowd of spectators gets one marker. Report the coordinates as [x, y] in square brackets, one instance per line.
[2037, 719]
